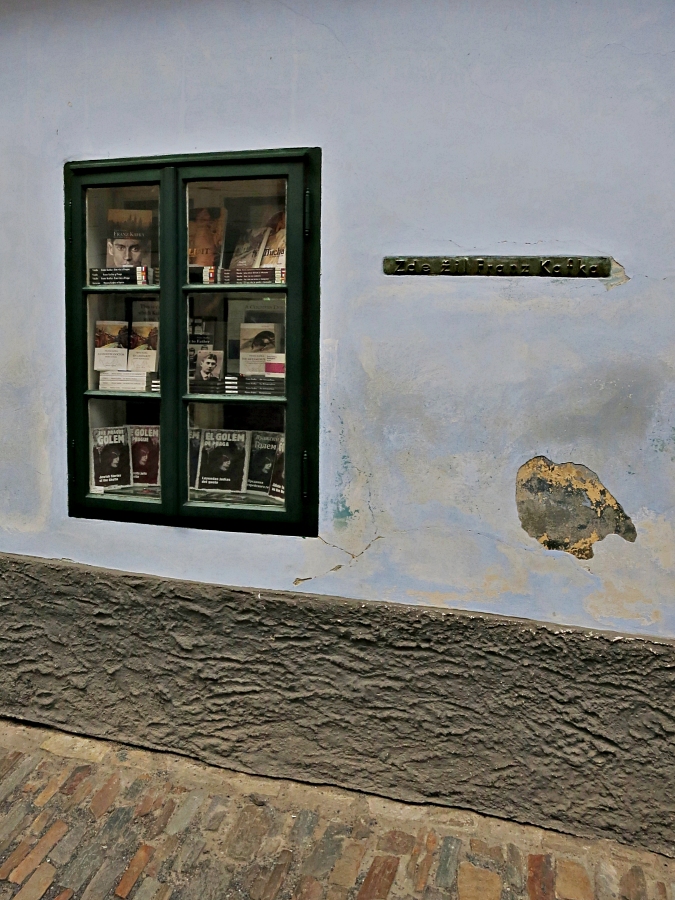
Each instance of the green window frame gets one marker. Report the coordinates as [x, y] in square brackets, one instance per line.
[301, 168]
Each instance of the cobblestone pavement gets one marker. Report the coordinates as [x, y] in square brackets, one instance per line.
[87, 820]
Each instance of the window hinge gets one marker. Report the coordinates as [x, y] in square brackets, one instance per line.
[305, 474]
[307, 212]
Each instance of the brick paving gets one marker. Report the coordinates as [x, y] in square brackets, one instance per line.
[93, 820]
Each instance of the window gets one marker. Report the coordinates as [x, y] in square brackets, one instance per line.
[192, 340]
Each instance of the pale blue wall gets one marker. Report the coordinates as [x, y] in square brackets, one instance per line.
[468, 126]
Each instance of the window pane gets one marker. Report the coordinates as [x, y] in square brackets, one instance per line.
[237, 454]
[123, 342]
[237, 231]
[123, 235]
[124, 448]
[237, 343]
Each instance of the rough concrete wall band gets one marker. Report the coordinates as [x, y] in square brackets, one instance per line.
[556, 727]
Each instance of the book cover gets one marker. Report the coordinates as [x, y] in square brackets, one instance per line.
[122, 275]
[263, 309]
[195, 438]
[250, 248]
[110, 458]
[256, 340]
[278, 482]
[208, 368]
[206, 230]
[144, 443]
[111, 341]
[274, 253]
[264, 445]
[223, 460]
[197, 342]
[143, 347]
[128, 241]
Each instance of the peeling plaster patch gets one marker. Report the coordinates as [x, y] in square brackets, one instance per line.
[617, 276]
[622, 602]
[566, 507]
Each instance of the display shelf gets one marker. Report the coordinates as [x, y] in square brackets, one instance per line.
[126, 395]
[233, 398]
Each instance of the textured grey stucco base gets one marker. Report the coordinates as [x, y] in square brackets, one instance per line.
[555, 727]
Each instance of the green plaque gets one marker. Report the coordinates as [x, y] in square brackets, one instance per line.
[501, 266]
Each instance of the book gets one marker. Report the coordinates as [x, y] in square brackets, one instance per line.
[208, 369]
[143, 347]
[122, 275]
[263, 453]
[144, 444]
[128, 242]
[274, 253]
[278, 482]
[197, 342]
[249, 276]
[122, 380]
[256, 340]
[110, 467]
[223, 460]
[206, 230]
[195, 439]
[260, 309]
[249, 249]
[111, 341]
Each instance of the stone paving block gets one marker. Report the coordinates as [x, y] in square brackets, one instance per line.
[606, 881]
[335, 892]
[397, 842]
[326, 852]
[148, 889]
[660, 892]
[105, 879]
[277, 875]
[633, 885]
[540, 881]
[361, 828]
[166, 891]
[68, 845]
[189, 853]
[215, 814]
[484, 851]
[38, 824]
[163, 853]
[82, 867]
[51, 788]
[106, 796]
[304, 826]
[210, 881]
[134, 870]
[16, 856]
[116, 828]
[14, 817]
[186, 812]
[145, 805]
[422, 873]
[415, 853]
[8, 761]
[246, 835]
[76, 747]
[68, 894]
[38, 883]
[347, 867]
[379, 879]
[159, 824]
[308, 888]
[478, 884]
[39, 852]
[75, 779]
[446, 873]
[514, 867]
[572, 881]
[13, 779]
